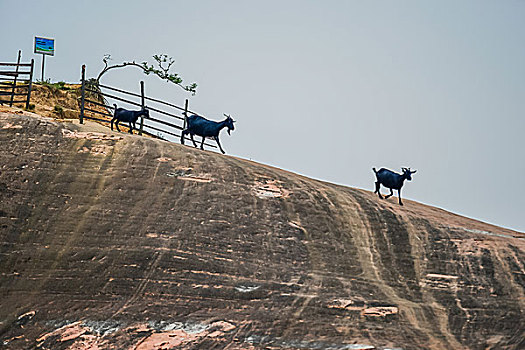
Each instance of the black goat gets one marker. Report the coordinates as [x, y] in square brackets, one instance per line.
[197, 125]
[124, 115]
[392, 180]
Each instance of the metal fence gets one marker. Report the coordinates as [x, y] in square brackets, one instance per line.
[16, 80]
[165, 118]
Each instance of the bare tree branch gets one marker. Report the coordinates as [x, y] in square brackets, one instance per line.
[164, 64]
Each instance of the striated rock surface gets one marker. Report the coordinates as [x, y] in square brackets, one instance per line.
[111, 241]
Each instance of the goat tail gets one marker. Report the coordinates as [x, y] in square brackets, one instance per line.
[108, 109]
[375, 171]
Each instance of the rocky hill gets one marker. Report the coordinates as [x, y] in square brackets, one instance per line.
[109, 240]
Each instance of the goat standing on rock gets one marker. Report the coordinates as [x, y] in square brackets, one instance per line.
[392, 180]
[123, 115]
[197, 125]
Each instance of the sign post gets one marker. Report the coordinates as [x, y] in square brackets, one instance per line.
[45, 46]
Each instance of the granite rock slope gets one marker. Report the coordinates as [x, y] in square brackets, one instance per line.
[113, 241]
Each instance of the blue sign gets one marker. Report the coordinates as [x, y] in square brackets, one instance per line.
[45, 46]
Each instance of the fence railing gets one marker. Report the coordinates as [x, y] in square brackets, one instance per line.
[165, 119]
[16, 79]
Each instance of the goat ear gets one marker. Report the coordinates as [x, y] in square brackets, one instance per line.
[413, 172]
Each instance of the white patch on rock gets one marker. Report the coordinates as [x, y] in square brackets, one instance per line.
[246, 289]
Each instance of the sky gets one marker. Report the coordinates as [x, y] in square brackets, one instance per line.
[327, 89]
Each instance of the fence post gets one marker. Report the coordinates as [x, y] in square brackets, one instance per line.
[143, 106]
[185, 113]
[83, 90]
[30, 83]
[16, 76]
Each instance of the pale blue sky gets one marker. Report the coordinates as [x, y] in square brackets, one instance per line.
[328, 89]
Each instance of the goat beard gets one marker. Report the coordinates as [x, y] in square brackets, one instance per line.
[229, 132]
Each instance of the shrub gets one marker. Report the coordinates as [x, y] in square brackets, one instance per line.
[59, 110]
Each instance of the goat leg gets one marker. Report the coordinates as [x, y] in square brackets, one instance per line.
[399, 195]
[202, 143]
[378, 185]
[390, 195]
[192, 140]
[217, 140]
[116, 125]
